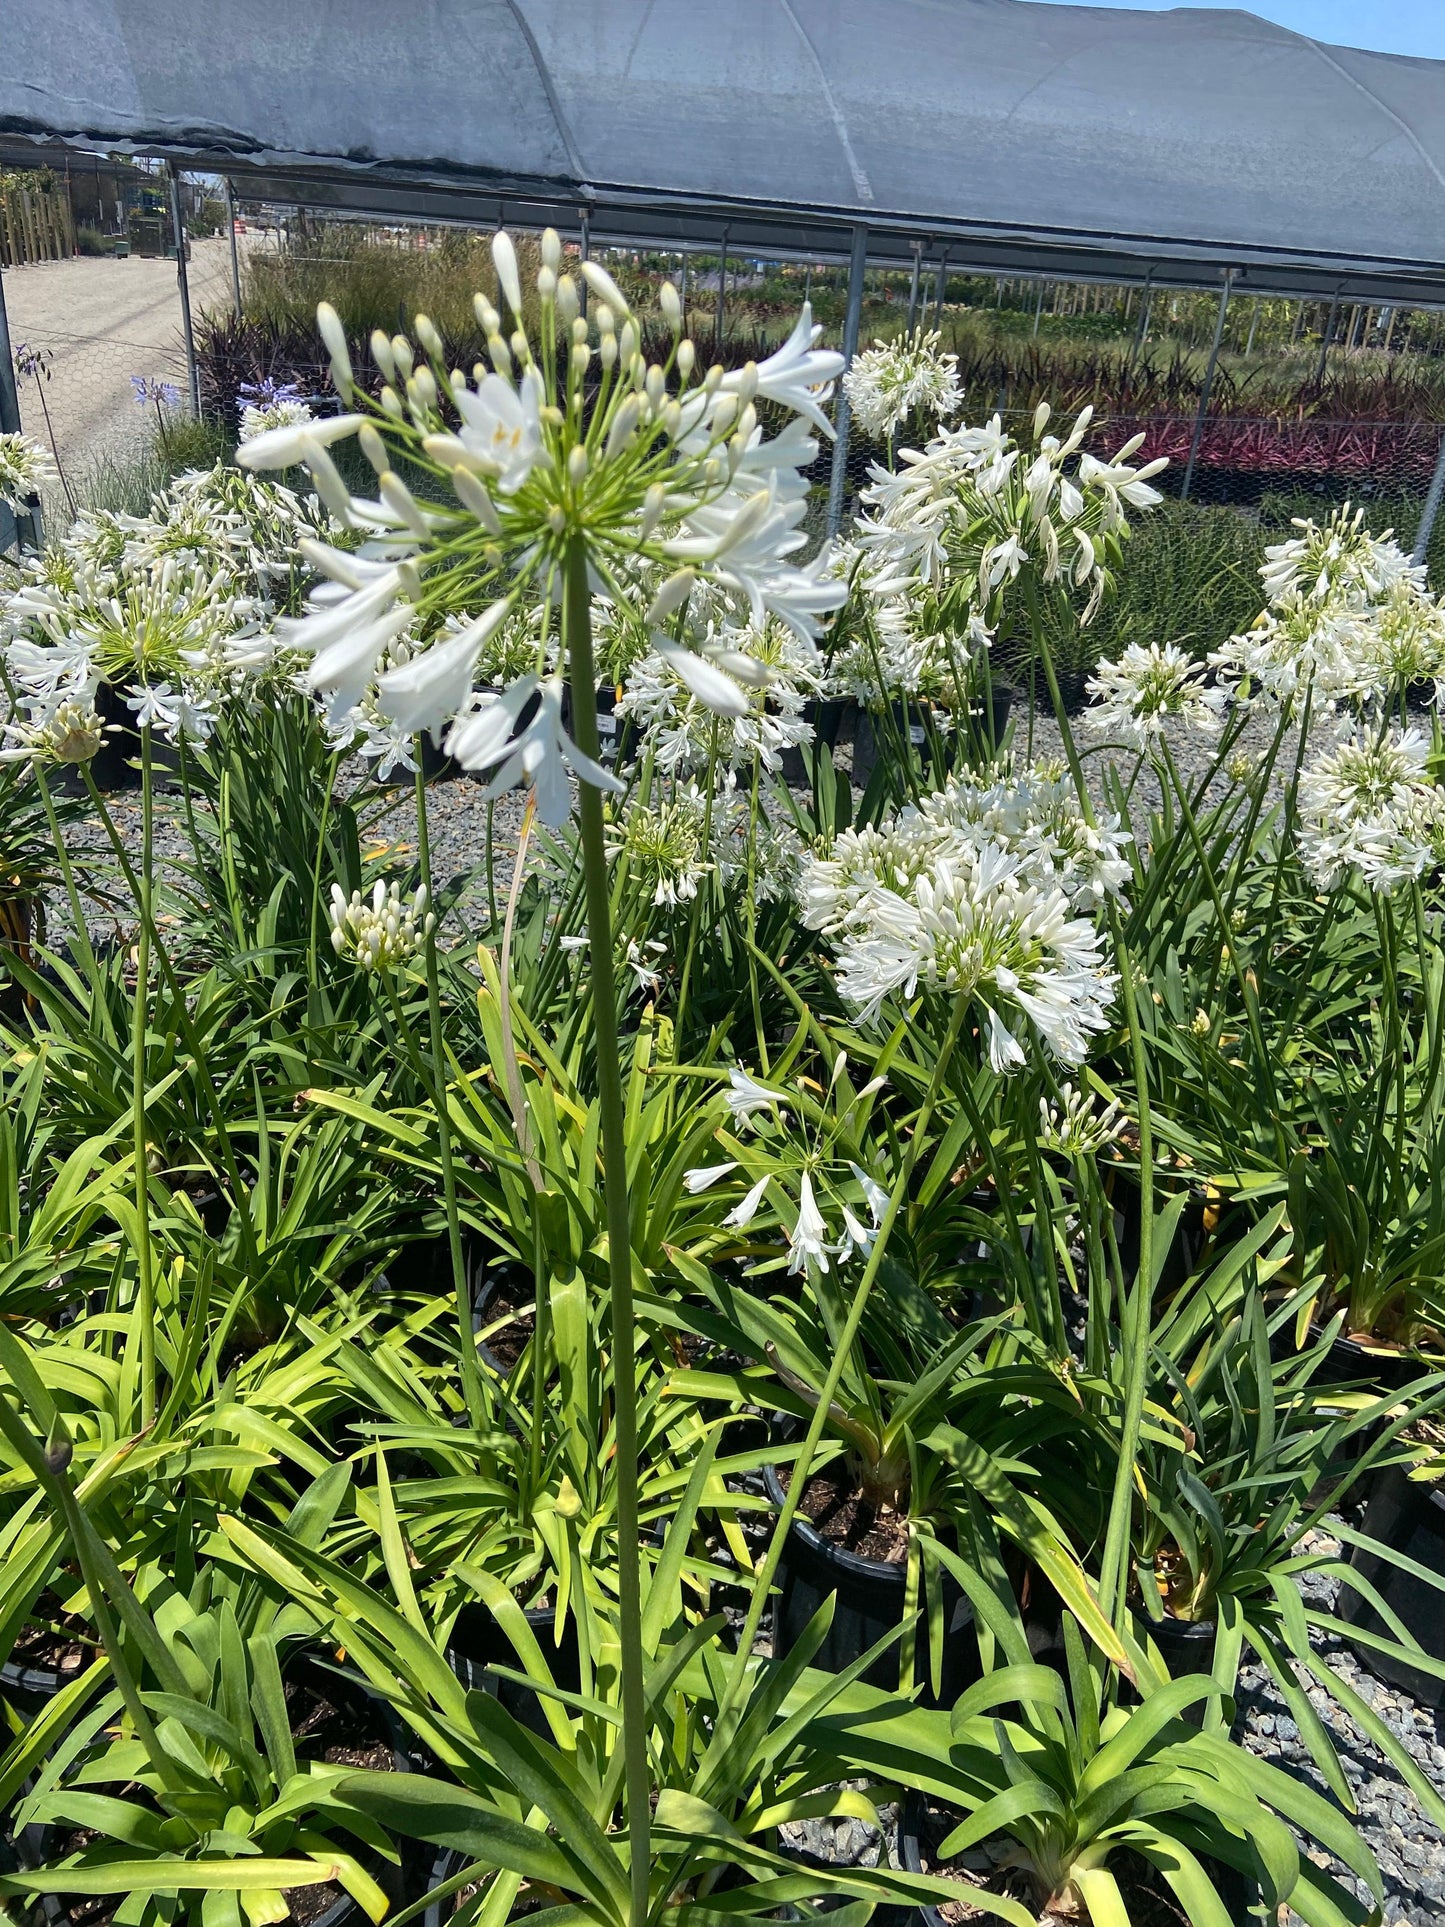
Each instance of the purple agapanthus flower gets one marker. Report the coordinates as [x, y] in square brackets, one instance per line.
[149, 388]
[268, 392]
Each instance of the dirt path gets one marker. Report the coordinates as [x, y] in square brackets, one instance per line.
[102, 321]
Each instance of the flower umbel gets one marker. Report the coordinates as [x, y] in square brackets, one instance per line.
[380, 935]
[574, 442]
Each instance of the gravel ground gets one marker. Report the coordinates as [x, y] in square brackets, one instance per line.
[456, 815]
[459, 818]
[1410, 1848]
[1192, 752]
[100, 321]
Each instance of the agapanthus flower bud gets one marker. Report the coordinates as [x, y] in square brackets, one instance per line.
[686, 358]
[403, 504]
[504, 259]
[334, 336]
[624, 426]
[501, 355]
[1041, 418]
[488, 318]
[427, 335]
[381, 934]
[653, 504]
[668, 301]
[551, 248]
[327, 477]
[602, 285]
[403, 354]
[569, 303]
[381, 354]
[671, 596]
[577, 466]
[547, 284]
[472, 494]
[391, 403]
[374, 448]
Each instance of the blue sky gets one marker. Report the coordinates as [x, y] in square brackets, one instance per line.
[1389, 26]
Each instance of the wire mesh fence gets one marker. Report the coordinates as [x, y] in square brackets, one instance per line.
[1311, 406]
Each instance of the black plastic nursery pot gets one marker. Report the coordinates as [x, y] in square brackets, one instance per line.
[478, 1646]
[324, 1907]
[116, 764]
[1383, 1366]
[511, 1286]
[436, 765]
[1408, 1517]
[1185, 1645]
[868, 1602]
[871, 742]
[826, 718]
[42, 1667]
[1236, 1890]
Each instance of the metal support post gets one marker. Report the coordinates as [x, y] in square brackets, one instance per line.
[235, 257]
[942, 284]
[193, 373]
[722, 287]
[584, 225]
[1144, 310]
[857, 264]
[1253, 325]
[1209, 368]
[1038, 306]
[26, 528]
[1432, 506]
[913, 285]
[1328, 338]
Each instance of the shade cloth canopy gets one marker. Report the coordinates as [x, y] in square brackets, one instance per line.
[1026, 139]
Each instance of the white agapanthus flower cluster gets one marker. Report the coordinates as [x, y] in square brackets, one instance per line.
[174, 610]
[1034, 813]
[814, 1244]
[578, 458]
[1349, 622]
[380, 934]
[1136, 695]
[664, 844]
[271, 404]
[1369, 807]
[944, 906]
[1078, 1126]
[68, 732]
[897, 646]
[681, 833]
[25, 468]
[1338, 560]
[776, 671]
[974, 508]
[160, 632]
[896, 382]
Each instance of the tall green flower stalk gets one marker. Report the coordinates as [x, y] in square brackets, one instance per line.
[577, 635]
[556, 474]
[1136, 1310]
[471, 1369]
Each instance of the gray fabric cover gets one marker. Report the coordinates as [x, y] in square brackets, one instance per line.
[1211, 130]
